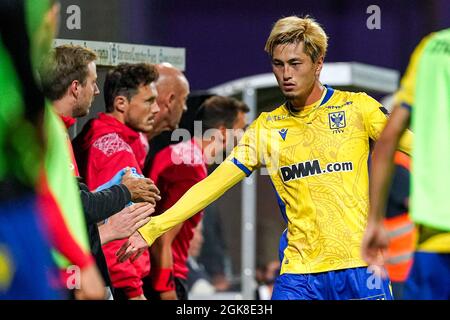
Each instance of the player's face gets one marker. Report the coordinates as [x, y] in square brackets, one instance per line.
[295, 71]
[141, 109]
[178, 106]
[88, 91]
[172, 103]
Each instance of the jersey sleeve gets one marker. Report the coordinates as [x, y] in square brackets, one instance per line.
[405, 95]
[375, 118]
[247, 155]
[196, 199]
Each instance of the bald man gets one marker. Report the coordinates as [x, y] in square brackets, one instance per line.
[173, 90]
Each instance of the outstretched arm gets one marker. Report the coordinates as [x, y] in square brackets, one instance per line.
[195, 200]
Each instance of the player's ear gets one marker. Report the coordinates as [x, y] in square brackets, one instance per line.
[74, 88]
[120, 104]
[319, 65]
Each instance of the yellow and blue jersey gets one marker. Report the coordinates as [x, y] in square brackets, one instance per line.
[317, 160]
[318, 163]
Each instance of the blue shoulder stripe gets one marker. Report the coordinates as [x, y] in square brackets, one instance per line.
[327, 97]
[246, 170]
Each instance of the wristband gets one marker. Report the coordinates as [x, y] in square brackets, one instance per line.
[162, 279]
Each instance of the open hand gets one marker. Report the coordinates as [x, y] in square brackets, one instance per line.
[124, 223]
[133, 248]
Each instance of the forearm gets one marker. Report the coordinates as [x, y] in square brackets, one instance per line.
[100, 205]
[161, 249]
[106, 234]
[162, 267]
[161, 255]
[195, 200]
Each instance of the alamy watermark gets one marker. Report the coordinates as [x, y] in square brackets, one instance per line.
[377, 275]
[374, 20]
[222, 142]
[258, 148]
[73, 20]
[74, 277]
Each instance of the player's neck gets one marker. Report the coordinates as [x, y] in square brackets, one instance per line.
[119, 116]
[314, 95]
[63, 107]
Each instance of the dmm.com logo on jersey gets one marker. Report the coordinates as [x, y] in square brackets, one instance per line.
[312, 168]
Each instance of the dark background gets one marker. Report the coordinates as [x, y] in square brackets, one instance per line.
[224, 39]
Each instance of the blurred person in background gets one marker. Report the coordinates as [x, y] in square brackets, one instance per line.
[177, 168]
[423, 101]
[29, 221]
[214, 255]
[401, 230]
[198, 282]
[265, 277]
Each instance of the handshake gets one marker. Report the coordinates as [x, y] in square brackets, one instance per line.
[144, 195]
[141, 189]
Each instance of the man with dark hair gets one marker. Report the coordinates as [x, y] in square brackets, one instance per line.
[218, 110]
[68, 77]
[177, 168]
[113, 141]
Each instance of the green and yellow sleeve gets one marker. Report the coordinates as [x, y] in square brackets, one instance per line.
[405, 95]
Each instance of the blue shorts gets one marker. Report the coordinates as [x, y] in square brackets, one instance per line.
[346, 284]
[429, 278]
[26, 266]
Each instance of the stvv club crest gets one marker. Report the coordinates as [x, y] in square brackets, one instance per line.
[337, 120]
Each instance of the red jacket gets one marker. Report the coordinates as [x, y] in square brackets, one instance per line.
[104, 147]
[175, 170]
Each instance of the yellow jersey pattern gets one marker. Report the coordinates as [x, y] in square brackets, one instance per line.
[318, 163]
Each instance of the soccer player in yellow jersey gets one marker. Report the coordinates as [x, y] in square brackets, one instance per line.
[315, 147]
